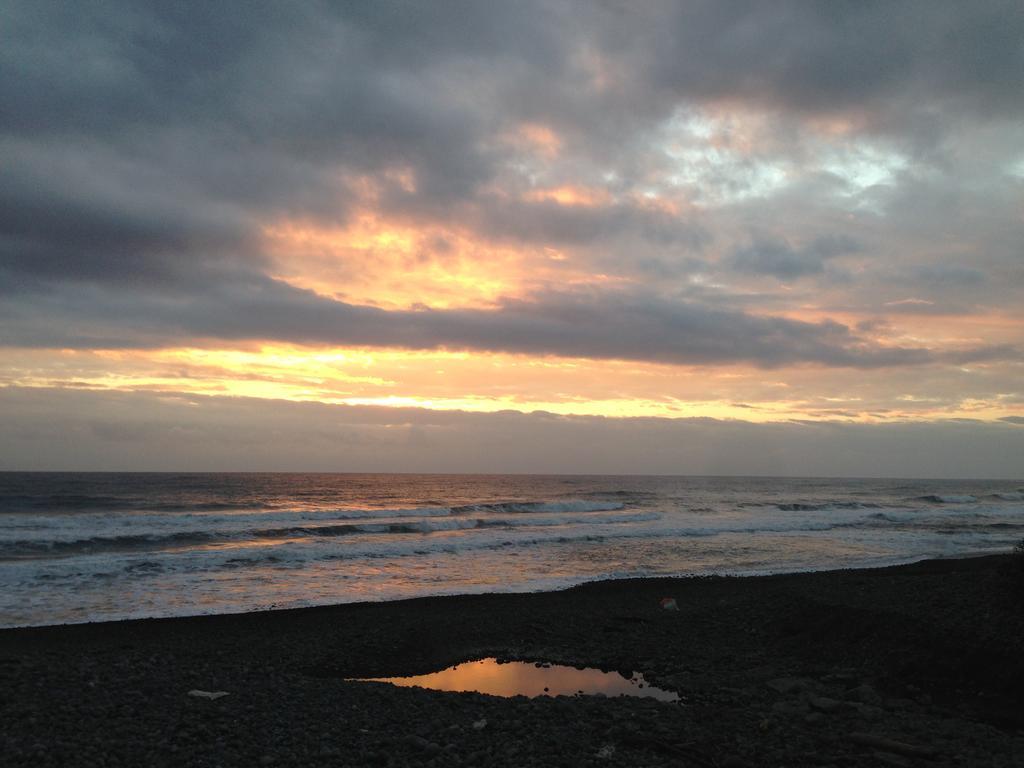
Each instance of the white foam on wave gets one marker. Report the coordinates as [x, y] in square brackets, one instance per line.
[1010, 496]
[64, 528]
[533, 582]
[374, 533]
[948, 498]
[420, 562]
[87, 537]
[376, 540]
[527, 507]
[311, 555]
[373, 540]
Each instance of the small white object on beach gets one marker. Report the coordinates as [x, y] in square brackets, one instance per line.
[669, 604]
[196, 693]
[480, 724]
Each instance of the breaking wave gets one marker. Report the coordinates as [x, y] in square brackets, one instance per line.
[85, 547]
[798, 506]
[947, 498]
[525, 507]
[1008, 496]
[177, 540]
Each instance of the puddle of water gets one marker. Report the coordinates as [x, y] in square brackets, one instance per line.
[519, 678]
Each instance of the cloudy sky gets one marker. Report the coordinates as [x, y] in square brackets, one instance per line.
[684, 237]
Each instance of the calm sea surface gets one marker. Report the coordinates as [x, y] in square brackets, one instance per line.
[83, 546]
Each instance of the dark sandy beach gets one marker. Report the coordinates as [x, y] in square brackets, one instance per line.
[914, 665]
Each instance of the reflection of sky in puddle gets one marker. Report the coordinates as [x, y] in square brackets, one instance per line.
[518, 678]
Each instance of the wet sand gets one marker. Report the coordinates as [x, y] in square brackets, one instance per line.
[914, 665]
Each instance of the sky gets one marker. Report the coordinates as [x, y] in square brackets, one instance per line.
[638, 237]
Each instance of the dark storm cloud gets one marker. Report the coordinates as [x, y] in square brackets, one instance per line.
[143, 145]
[825, 57]
[600, 325]
[936, 289]
[130, 132]
[953, 275]
[781, 260]
[321, 84]
[549, 222]
[67, 215]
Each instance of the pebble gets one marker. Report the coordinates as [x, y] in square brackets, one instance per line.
[864, 694]
[787, 685]
[825, 704]
[869, 712]
[429, 747]
[887, 758]
[303, 720]
[900, 703]
[605, 752]
[789, 709]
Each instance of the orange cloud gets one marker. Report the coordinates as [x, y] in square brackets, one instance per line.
[444, 380]
[394, 263]
[536, 137]
[571, 195]
[391, 264]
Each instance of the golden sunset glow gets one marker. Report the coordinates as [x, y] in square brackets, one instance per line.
[386, 265]
[395, 265]
[489, 383]
[571, 195]
[534, 138]
[396, 221]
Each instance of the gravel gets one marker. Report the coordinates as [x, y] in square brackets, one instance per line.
[915, 665]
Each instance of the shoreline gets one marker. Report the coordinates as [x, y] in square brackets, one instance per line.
[881, 563]
[925, 654]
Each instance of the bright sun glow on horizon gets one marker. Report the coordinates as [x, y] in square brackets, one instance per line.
[665, 215]
[485, 383]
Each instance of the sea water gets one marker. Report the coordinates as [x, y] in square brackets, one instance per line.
[78, 547]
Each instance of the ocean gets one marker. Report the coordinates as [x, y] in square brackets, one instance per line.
[77, 547]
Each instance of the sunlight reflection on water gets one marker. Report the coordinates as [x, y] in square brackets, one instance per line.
[518, 678]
